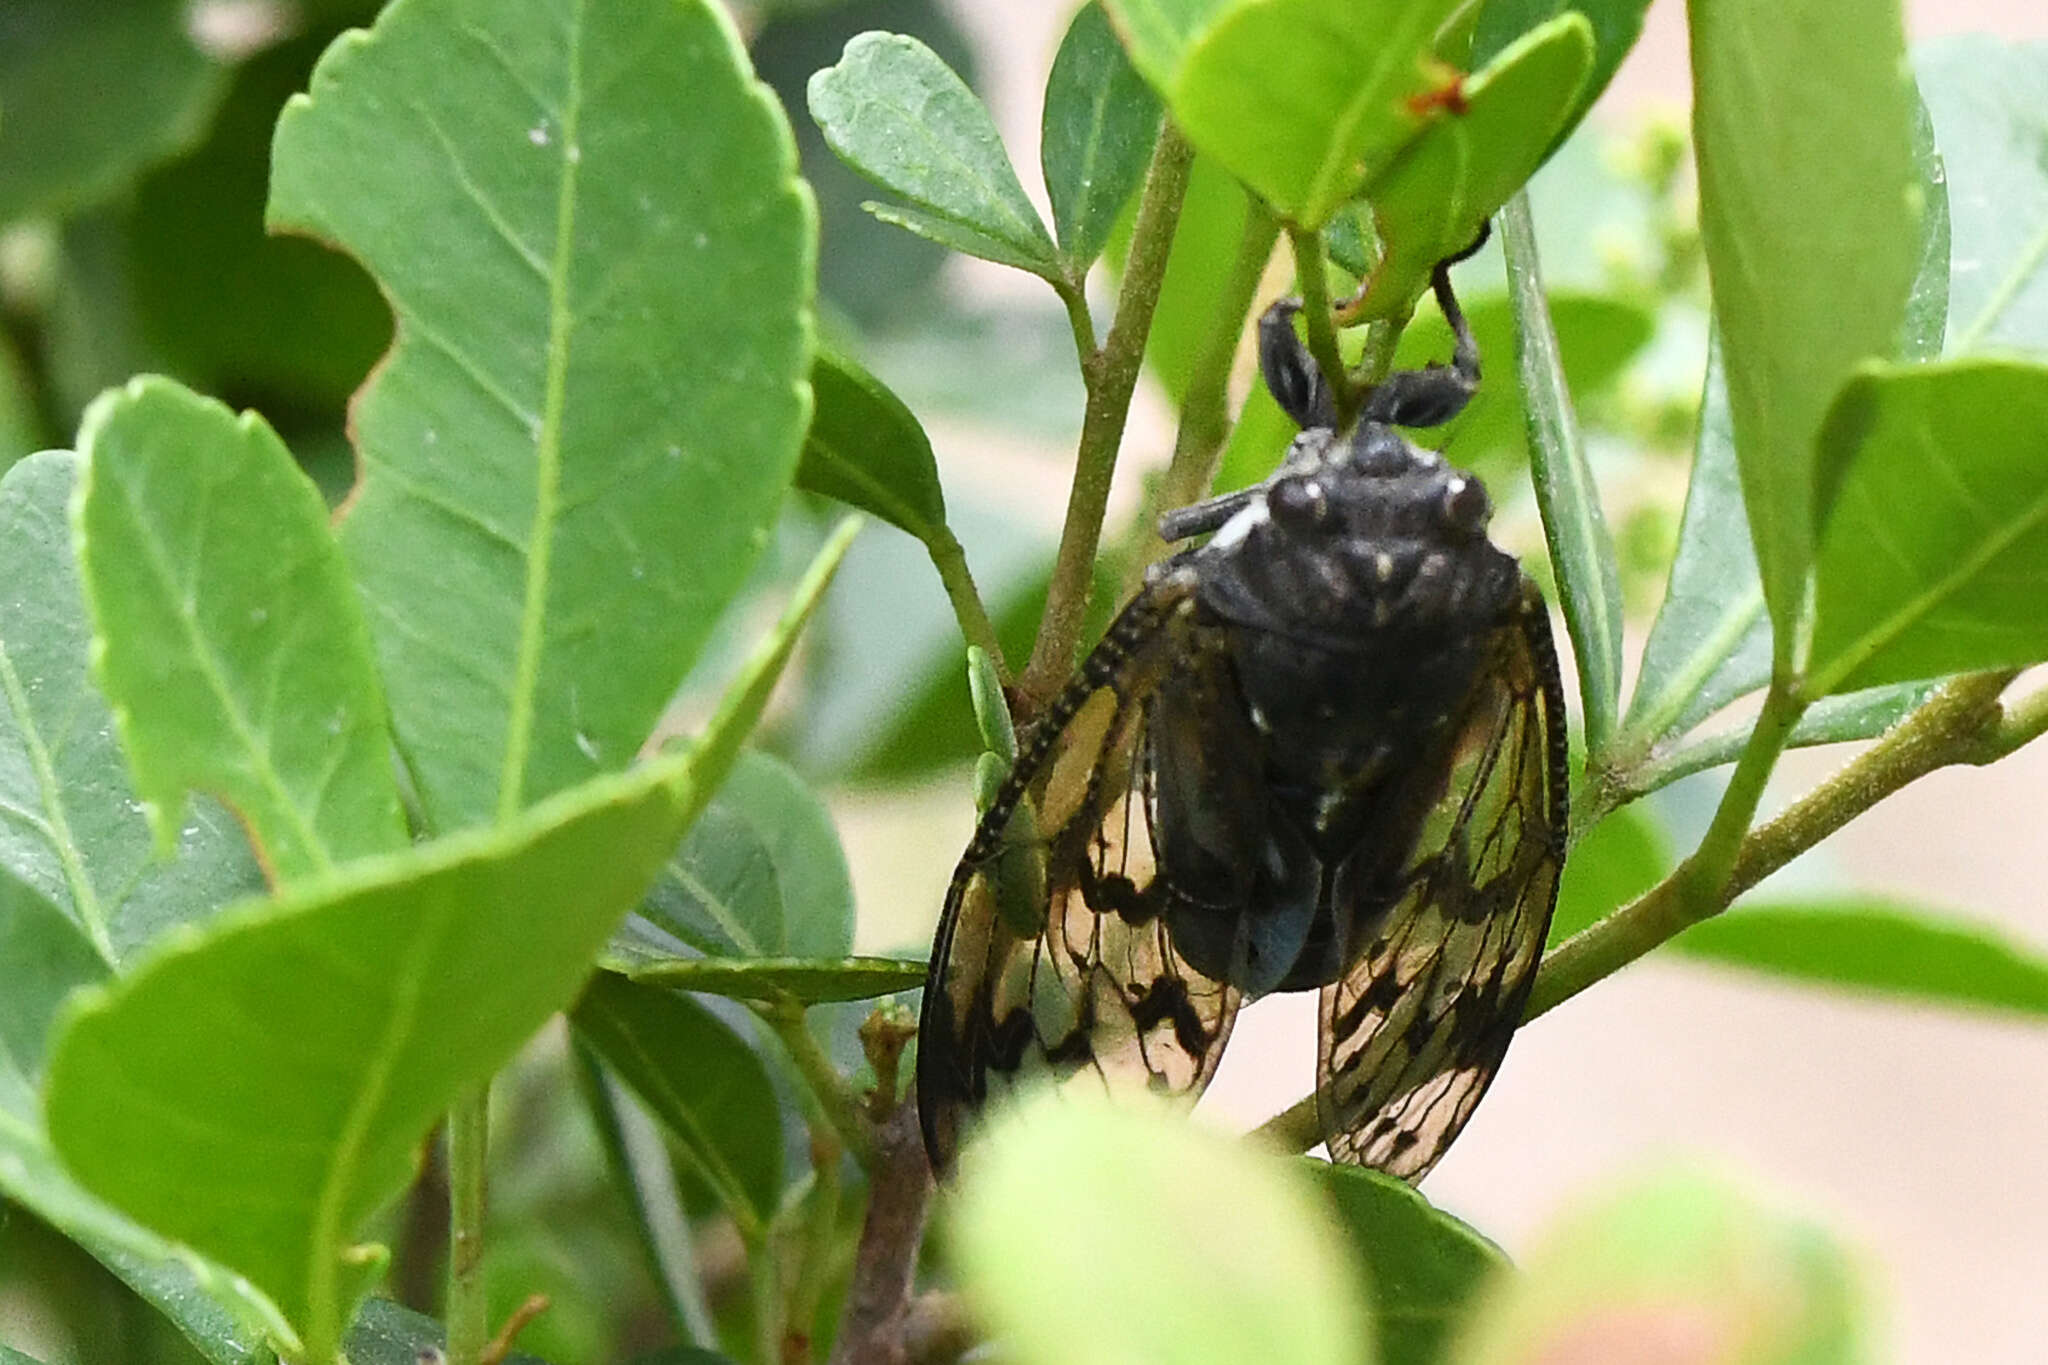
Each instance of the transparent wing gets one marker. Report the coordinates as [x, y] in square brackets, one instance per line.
[1052, 957]
[1415, 1028]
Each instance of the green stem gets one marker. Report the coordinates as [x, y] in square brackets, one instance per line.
[951, 562]
[469, 1322]
[1111, 380]
[2024, 722]
[1706, 872]
[837, 1106]
[1074, 297]
[1318, 325]
[765, 1291]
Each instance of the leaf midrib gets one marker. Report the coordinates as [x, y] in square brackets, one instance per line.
[519, 717]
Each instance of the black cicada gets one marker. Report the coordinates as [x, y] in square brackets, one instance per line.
[1325, 749]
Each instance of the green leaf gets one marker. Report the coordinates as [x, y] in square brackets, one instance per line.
[1957, 584]
[602, 278]
[1071, 1170]
[1832, 720]
[1674, 1256]
[868, 450]
[231, 643]
[77, 833]
[1616, 24]
[897, 114]
[1423, 1266]
[146, 88]
[217, 1312]
[10, 1356]
[811, 981]
[1458, 172]
[1809, 216]
[76, 838]
[1710, 643]
[700, 1079]
[257, 1090]
[1904, 952]
[1984, 95]
[761, 873]
[1159, 32]
[1099, 125]
[1309, 101]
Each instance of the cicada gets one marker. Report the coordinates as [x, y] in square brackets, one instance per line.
[1323, 749]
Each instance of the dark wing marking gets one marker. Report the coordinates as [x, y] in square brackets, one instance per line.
[1414, 1030]
[1052, 955]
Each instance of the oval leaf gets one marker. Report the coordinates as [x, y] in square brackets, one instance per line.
[1808, 216]
[1100, 123]
[602, 277]
[1220, 1252]
[257, 1090]
[897, 114]
[1936, 548]
[231, 642]
[761, 873]
[1616, 24]
[84, 842]
[700, 1079]
[1459, 170]
[1710, 643]
[1423, 1266]
[868, 450]
[1307, 101]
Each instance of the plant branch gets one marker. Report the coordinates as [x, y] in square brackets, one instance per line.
[764, 1292]
[872, 1330]
[1111, 379]
[1318, 324]
[968, 609]
[836, 1102]
[1948, 728]
[1074, 297]
[469, 1323]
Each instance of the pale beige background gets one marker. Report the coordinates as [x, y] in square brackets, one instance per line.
[1921, 1135]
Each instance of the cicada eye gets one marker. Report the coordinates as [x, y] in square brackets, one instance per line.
[1298, 504]
[1465, 505]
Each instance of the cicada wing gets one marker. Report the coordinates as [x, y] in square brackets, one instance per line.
[1414, 1030]
[1051, 957]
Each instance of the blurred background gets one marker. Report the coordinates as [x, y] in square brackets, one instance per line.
[1918, 1134]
